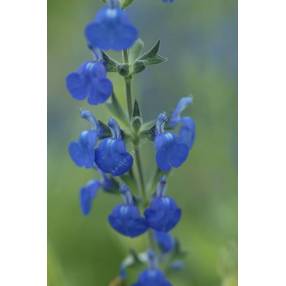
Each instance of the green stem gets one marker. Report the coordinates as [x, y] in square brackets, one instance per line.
[140, 173]
[127, 80]
[138, 161]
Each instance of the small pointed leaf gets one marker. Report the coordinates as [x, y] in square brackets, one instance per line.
[152, 52]
[151, 57]
[136, 109]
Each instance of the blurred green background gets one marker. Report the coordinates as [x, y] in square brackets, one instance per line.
[200, 39]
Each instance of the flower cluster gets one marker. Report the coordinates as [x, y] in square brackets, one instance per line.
[112, 149]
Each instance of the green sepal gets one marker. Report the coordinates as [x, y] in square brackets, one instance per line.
[105, 131]
[110, 64]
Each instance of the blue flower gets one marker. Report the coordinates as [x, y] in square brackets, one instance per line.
[126, 218]
[111, 29]
[90, 82]
[89, 191]
[111, 155]
[171, 151]
[87, 195]
[187, 132]
[165, 241]
[162, 214]
[152, 277]
[82, 150]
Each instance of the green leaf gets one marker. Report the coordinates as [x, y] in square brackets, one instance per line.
[154, 60]
[135, 51]
[152, 57]
[138, 67]
[110, 64]
[152, 52]
[125, 3]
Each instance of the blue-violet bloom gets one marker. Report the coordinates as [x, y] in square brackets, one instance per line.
[162, 214]
[81, 151]
[111, 29]
[125, 218]
[87, 195]
[90, 81]
[187, 132]
[90, 190]
[111, 155]
[171, 152]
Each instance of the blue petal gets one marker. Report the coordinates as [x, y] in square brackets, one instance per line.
[100, 90]
[77, 85]
[126, 219]
[187, 133]
[111, 157]
[181, 106]
[111, 30]
[82, 151]
[177, 154]
[76, 153]
[96, 69]
[87, 195]
[162, 214]
[88, 138]
[170, 152]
